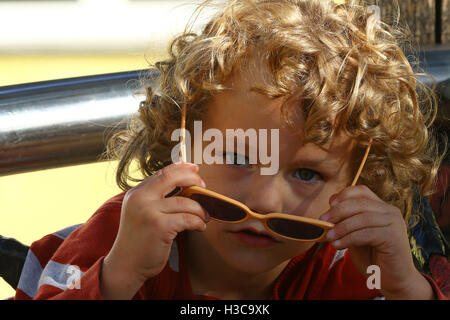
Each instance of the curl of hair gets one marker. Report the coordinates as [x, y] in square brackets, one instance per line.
[349, 70]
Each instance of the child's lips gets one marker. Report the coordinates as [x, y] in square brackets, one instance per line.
[254, 238]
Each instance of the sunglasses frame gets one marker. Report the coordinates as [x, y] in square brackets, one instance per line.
[189, 191]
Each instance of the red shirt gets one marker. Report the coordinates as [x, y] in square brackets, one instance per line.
[76, 253]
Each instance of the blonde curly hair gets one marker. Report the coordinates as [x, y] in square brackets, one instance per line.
[345, 66]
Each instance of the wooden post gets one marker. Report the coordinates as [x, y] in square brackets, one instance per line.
[445, 22]
[419, 16]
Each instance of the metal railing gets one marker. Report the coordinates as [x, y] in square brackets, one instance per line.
[63, 122]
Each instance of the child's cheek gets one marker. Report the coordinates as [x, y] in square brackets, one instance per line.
[225, 179]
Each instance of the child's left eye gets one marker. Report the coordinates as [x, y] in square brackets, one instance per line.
[307, 175]
[235, 159]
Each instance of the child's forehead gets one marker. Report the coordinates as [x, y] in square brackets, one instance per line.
[242, 103]
[241, 108]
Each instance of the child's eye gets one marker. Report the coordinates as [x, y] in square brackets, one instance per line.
[307, 175]
[236, 159]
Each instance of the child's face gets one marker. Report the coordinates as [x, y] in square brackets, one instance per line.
[306, 178]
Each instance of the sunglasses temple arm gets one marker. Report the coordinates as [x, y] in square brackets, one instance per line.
[362, 163]
[182, 152]
[183, 134]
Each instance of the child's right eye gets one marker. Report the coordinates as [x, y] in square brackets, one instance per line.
[236, 159]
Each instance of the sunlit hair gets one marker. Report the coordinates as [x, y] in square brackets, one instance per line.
[349, 70]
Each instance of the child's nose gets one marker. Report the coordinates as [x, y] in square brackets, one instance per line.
[265, 194]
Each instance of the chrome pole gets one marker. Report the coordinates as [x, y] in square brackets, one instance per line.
[63, 122]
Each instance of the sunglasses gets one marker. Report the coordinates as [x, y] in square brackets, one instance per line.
[225, 209]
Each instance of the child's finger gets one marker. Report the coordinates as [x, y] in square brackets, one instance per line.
[357, 222]
[180, 222]
[170, 177]
[373, 237]
[182, 204]
[359, 191]
[351, 207]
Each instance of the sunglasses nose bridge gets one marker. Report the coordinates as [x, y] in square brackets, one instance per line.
[256, 215]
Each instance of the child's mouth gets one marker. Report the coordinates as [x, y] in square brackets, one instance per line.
[253, 238]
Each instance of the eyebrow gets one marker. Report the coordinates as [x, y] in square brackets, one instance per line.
[322, 164]
[329, 166]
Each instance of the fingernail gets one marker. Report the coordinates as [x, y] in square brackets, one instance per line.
[203, 184]
[336, 243]
[331, 234]
[192, 166]
[207, 216]
[334, 202]
[324, 217]
[185, 163]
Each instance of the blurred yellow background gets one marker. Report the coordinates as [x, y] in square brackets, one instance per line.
[39, 203]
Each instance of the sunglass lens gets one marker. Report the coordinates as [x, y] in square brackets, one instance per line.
[219, 209]
[295, 229]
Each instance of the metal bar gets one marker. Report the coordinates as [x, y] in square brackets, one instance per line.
[63, 122]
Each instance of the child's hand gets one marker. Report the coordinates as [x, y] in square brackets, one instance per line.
[376, 234]
[149, 223]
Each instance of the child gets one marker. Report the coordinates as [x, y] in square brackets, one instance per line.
[329, 78]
